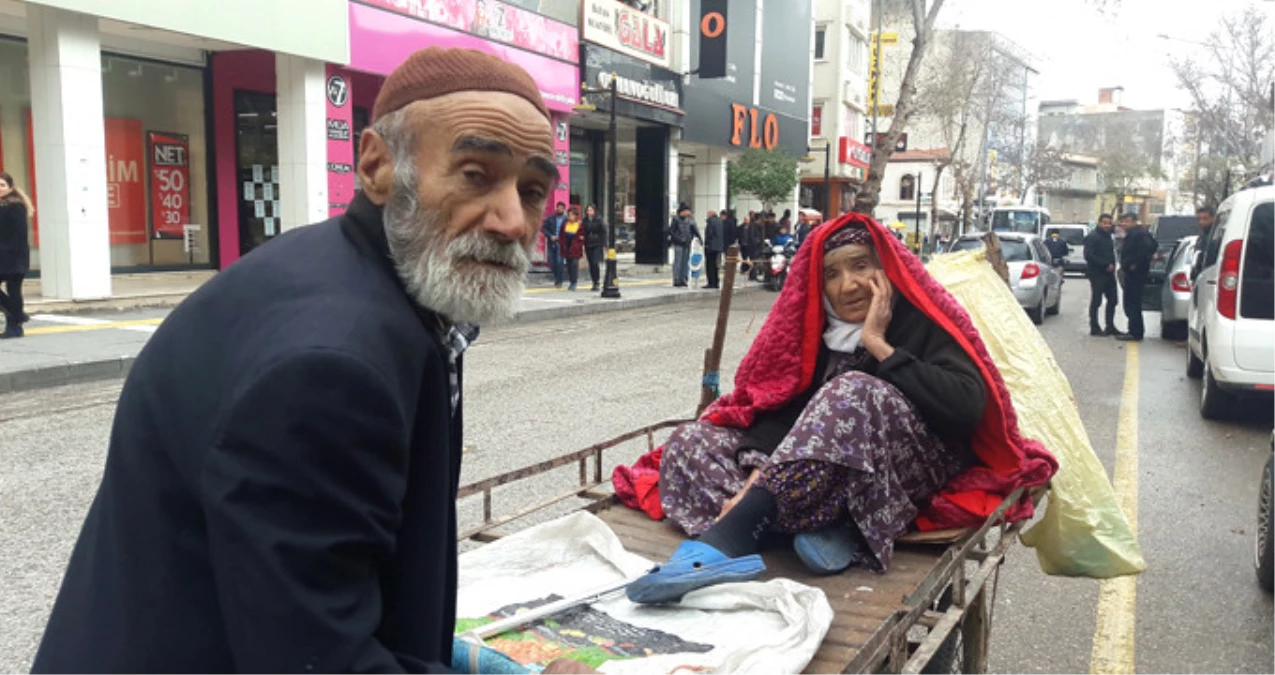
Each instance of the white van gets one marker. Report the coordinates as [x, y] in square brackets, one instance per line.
[1231, 326]
[1019, 219]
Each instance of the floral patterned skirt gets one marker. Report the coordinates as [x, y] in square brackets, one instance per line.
[859, 450]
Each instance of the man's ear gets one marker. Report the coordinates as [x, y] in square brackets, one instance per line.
[376, 167]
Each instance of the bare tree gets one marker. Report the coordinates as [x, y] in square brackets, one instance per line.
[952, 98]
[1231, 102]
[1042, 166]
[923, 18]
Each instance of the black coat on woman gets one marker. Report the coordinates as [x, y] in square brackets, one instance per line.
[595, 233]
[15, 251]
[280, 488]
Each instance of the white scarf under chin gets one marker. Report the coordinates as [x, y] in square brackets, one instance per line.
[840, 336]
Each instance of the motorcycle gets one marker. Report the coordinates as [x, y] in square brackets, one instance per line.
[776, 271]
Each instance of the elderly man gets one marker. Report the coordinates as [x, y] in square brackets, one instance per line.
[279, 492]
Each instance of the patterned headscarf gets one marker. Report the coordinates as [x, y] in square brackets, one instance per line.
[851, 233]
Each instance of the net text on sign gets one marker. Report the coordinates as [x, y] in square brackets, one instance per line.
[170, 184]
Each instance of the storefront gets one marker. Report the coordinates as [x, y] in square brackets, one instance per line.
[648, 111]
[383, 33]
[764, 108]
[848, 153]
[156, 155]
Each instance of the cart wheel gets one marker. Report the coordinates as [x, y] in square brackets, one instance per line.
[1265, 537]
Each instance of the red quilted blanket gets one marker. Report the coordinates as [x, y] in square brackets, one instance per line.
[781, 364]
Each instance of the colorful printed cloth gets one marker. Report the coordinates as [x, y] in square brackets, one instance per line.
[859, 450]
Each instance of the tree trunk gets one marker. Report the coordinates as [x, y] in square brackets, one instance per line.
[883, 146]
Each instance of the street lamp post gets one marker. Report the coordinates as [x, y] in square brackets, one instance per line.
[610, 287]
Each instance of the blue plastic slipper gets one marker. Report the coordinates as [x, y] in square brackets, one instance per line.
[829, 550]
[693, 565]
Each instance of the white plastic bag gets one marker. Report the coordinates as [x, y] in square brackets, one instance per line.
[771, 627]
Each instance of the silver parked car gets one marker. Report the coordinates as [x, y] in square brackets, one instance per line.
[1175, 293]
[1032, 277]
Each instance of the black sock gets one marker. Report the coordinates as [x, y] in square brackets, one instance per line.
[740, 532]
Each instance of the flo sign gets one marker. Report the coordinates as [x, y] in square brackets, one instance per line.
[617, 26]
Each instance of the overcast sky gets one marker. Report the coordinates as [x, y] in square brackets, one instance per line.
[1079, 49]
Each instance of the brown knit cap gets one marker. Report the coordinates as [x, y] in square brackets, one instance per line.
[435, 71]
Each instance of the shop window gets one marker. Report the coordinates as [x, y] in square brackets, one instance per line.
[157, 154]
[164, 105]
[907, 188]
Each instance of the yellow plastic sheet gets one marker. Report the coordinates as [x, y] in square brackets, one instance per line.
[1083, 532]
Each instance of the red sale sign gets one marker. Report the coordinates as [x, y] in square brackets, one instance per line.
[170, 184]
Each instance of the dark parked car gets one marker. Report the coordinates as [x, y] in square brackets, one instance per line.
[1264, 560]
[1168, 231]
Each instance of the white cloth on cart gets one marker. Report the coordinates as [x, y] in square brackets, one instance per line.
[771, 627]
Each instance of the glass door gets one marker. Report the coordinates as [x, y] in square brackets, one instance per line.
[257, 167]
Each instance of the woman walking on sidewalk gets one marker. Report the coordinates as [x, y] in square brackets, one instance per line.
[572, 243]
[595, 242]
[15, 253]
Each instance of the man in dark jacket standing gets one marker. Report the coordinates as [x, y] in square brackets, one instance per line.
[714, 246]
[1100, 260]
[279, 492]
[551, 228]
[681, 231]
[1135, 263]
[595, 243]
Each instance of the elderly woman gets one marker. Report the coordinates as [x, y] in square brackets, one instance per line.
[852, 410]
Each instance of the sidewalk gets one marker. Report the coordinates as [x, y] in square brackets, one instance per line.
[71, 342]
[167, 289]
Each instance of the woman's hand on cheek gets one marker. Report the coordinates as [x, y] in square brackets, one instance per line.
[878, 320]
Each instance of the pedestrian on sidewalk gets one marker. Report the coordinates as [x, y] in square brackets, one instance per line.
[756, 237]
[572, 239]
[681, 231]
[595, 243]
[714, 245]
[280, 488]
[1100, 263]
[15, 254]
[731, 227]
[1135, 264]
[552, 230]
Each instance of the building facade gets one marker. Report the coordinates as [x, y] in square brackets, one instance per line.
[762, 102]
[154, 137]
[1139, 167]
[839, 99]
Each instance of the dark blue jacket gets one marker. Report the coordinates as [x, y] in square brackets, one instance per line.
[280, 488]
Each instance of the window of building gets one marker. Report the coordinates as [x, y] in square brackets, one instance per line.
[816, 119]
[855, 58]
[821, 34]
[907, 188]
[151, 110]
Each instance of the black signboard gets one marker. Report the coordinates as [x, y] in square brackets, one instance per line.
[785, 57]
[741, 48]
[714, 21]
[646, 91]
[720, 112]
[900, 145]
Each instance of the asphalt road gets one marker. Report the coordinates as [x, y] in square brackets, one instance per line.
[539, 390]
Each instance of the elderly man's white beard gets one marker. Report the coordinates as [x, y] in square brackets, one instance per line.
[451, 277]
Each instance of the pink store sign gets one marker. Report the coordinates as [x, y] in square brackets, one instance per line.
[339, 123]
[380, 41]
[494, 20]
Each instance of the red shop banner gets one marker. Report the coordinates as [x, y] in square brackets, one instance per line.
[170, 183]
